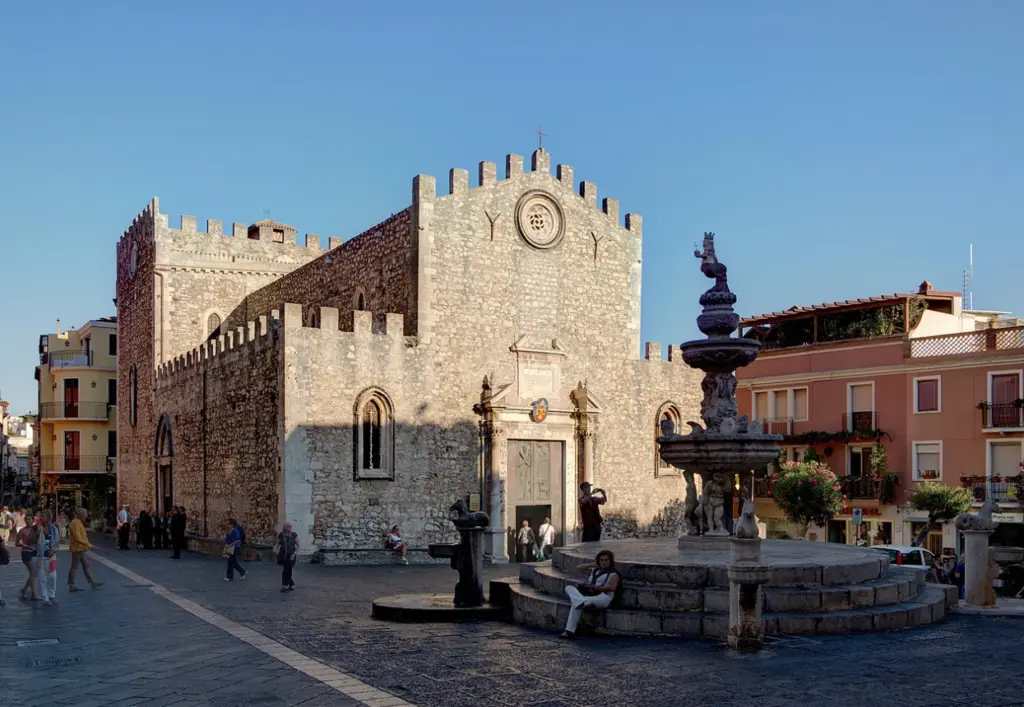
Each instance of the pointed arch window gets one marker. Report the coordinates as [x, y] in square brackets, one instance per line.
[360, 301]
[312, 317]
[133, 396]
[213, 326]
[668, 412]
[374, 436]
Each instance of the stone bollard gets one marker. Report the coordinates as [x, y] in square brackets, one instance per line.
[746, 597]
[469, 562]
[977, 529]
[978, 589]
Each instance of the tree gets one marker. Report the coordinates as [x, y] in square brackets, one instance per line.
[942, 503]
[807, 492]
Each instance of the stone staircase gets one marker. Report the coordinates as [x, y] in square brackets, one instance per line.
[692, 604]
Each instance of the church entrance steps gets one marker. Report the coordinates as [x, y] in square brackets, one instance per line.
[900, 586]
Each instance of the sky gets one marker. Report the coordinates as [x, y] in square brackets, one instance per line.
[838, 150]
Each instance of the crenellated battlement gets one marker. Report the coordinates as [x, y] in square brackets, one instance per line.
[540, 162]
[261, 231]
[653, 352]
[260, 333]
[147, 216]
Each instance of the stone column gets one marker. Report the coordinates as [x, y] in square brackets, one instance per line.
[469, 591]
[746, 597]
[978, 589]
[588, 456]
[496, 542]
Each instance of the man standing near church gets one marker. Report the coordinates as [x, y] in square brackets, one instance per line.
[545, 539]
[124, 527]
[590, 511]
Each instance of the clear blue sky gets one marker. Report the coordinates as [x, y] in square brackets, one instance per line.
[838, 149]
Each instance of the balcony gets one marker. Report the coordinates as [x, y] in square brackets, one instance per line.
[70, 359]
[81, 410]
[778, 425]
[762, 487]
[969, 342]
[1002, 416]
[861, 423]
[83, 464]
[1002, 492]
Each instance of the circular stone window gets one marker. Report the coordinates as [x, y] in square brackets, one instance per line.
[133, 259]
[540, 220]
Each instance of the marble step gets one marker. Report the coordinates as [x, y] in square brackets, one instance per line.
[693, 571]
[532, 607]
[902, 585]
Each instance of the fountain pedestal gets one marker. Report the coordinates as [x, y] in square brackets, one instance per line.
[746, 597]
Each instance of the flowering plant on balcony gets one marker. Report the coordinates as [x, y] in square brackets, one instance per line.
[806, 492]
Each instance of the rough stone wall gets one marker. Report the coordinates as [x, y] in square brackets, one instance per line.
[213, 272]
[136, 304]
[584, 292]
[223, 403]
[375, 263]
[435, 460]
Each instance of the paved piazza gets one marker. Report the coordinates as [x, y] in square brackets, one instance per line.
[174, 633]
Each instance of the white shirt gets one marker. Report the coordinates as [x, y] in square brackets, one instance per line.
[546, 533]
[122, 516]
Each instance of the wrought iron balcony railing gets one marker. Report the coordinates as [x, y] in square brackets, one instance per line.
[778, 425]
[860, 422]
[85, 463]
[1001, 492]
[1002, 415]
[81, 410]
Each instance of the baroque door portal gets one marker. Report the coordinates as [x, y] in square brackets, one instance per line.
[534, 486]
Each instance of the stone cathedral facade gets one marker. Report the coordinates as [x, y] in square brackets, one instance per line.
[481, 344]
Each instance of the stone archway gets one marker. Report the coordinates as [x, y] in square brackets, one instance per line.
[163, 466]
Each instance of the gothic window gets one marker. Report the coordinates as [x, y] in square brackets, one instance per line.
[312, 317]
[133, 397]
[360, 301]
[668, 412]
[212, 326]
[133, 259]
[374, 436]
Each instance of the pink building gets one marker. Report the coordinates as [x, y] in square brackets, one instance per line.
[940, 389]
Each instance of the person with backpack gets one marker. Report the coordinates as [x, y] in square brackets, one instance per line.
[603, 586]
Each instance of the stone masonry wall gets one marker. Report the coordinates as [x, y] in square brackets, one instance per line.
[375, 263]
[212, 272]
[584, 292]
[136, 303]
[435, 461]
[223, 402]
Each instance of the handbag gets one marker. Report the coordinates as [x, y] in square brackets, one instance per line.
[229, 550]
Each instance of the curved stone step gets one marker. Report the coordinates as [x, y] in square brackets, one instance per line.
[532, 607]
[792, 563]
[901, 586]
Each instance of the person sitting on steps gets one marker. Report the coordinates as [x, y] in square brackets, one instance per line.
[601, 588]
[395, 544]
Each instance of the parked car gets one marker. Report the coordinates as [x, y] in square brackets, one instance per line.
[908, 556]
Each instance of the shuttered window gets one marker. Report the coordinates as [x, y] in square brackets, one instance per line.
[928, 395]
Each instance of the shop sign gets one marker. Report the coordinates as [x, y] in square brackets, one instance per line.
[1008, 517]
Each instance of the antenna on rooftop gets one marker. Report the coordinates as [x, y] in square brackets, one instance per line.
[968, 296]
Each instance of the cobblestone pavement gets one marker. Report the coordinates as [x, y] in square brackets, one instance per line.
[967, 660]
[124, 645]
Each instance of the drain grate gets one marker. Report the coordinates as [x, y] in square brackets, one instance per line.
[38, 642]
[260, 698]
[59, 662]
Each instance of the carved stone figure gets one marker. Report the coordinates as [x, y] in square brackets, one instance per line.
[710, 265]
[746, 526]
[981, 521]
[719, 402]
[713, 502]
[691, 521]
[461, 516]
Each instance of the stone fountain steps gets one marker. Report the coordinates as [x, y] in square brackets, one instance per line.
[902, 585]
[696, 571]
[533, 607]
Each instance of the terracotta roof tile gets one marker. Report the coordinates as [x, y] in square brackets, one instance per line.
[797, 310]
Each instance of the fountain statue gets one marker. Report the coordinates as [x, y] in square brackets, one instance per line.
[726, 443]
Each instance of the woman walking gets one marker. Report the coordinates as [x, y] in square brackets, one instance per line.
[288, 548]
[46, 558]
[27, 539]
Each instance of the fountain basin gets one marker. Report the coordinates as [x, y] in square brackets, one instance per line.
[723, 355]
[710, 452]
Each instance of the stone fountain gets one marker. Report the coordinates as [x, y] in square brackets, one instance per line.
[719, 579]
[727, 443]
